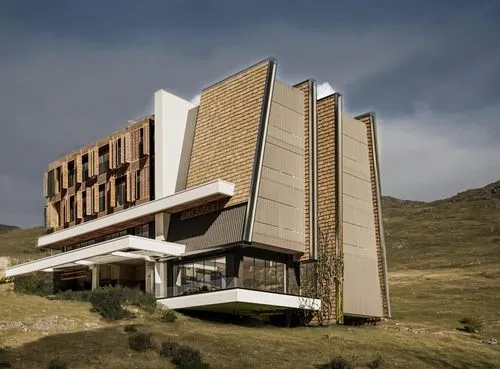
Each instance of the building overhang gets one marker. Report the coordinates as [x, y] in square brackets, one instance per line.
[174, 203]
[241, 301]
[116, 250]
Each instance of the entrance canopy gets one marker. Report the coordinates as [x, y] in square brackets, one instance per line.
[116, 250]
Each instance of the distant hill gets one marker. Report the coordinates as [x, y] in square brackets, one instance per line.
[6, 228]
[454, 232]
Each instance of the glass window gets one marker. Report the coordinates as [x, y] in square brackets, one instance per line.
[138, 185]
[121, 188]
[102, 198]
[103, 159]
[248, 272]
[72, 208]
[200, 276]
[260, 274]
[71, 174]
[119, 152]
[85, 167]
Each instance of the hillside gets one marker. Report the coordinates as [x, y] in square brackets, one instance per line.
[6, 228]
[444, 264]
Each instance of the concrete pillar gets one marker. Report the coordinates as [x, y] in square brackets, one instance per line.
[150, 277]
[162, 222]
[95, 276]
[161, 285]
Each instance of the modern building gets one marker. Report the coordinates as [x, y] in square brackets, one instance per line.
[234, 205]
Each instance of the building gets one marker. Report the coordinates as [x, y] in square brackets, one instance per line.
[232, 205]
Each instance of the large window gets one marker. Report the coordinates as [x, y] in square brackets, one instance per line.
[121, 191]
[71, 173]
[103, 159]
[102, 198]
[85, 167]
[264, 275]
[72, 208]
[200, 276]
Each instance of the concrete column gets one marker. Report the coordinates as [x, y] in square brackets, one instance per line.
[162, 222]
[95, 277]
[150, 277]
[161, 285]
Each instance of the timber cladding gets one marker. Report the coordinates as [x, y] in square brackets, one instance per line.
[326, 126]
[369, 120]
[70, 202]
[227, 127]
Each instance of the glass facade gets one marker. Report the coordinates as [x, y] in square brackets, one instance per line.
[200, 276]
[263, 275]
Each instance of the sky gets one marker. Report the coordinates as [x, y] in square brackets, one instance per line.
[72, 71]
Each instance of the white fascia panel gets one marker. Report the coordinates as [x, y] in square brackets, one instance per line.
[242, 296]
[103, 248]
[217, 187]
[171, 114]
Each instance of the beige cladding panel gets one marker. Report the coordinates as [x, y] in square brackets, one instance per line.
[280, 216]
[226, 131]
[288, 96]
[282, 178]
[362, 284]
[361, 288]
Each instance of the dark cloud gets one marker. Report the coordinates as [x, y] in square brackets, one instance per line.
[70, 74]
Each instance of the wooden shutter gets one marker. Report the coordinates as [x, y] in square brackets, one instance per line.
[122, 150]
[79, 205]
[90, 165]
[128, 148]
[145, 182]
[89, 197]
[112, 192]
[96, 161]
[145, 142]
[66, 209]
[64, 174]
[128, 188]
[79, 169]
[133, 176]
[96, 198]
[112, 158]
[45, 184]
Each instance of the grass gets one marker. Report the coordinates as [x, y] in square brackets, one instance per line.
[20, 244]
[444, 264]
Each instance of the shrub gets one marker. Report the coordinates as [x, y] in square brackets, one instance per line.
[471, 325]
[107, 302]
[72, 295]
[337, 363]
[57, 364]
[130, 328]
[376, 364]
[140, 341]
[167, 348]
[168, 316]
[183, 357]
[37, 283]
[146, 301]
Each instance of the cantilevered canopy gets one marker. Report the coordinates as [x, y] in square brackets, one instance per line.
[118, 249]
[241, 301]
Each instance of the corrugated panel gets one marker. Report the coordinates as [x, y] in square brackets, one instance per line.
[209, 230]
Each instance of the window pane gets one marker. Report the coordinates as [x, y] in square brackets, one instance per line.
[248, 272]
[260, 274]
[219, 280]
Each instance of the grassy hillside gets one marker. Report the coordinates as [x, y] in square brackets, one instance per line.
[5, 228]
[444, 264]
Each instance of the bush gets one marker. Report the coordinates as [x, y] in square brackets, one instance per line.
[167, 348]
[107, 302]
[146, 301]
[471, 325]
[57, 364]
[37, 283]
[168, 316]
[183, 357]
[130, 328]
[140, 341]
[376, 364]
[72, 295]
[337, 363]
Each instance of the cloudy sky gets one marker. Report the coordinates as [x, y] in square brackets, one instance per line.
[71, 71]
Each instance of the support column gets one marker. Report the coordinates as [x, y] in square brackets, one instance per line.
[162, 222]
[95, 276]
[150, 277]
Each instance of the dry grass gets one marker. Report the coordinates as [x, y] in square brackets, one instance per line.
[226, 345]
